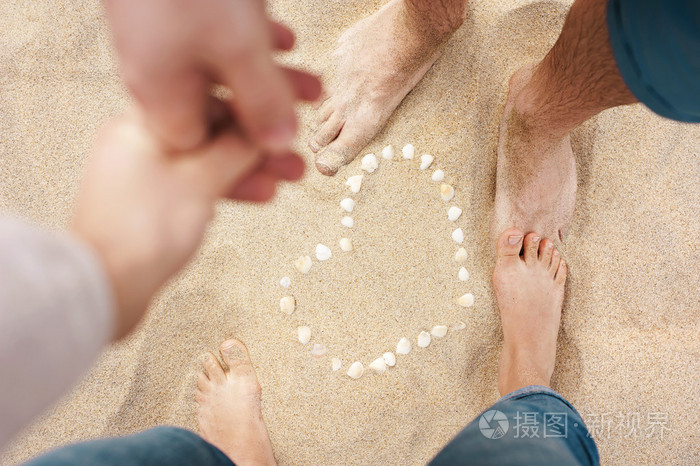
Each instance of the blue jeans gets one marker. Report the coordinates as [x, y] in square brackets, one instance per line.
[533, 425]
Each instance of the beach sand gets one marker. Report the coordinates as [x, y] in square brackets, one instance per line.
[628, 356]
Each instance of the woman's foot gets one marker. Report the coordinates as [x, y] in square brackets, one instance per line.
[379, 60]
[229, 413]
[529, 282]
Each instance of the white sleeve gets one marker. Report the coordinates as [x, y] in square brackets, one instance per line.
[56, 314]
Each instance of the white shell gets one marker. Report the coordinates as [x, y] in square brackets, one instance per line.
[438, 175]
[347, 221]
[459, 325]
[287, 304]
[378, 365]
[403, 347]
[463, 274]
[323, 252]
[453, 213]
[461, 255]
[303, 264]
[347, 204]
[285, 282]
[356, 370]
[345, 244]
[389, 359]
[408, 151]
[319, 350]
[439, 331]
[458, 235]
[447, 192]
[369, 163]
[423, 339]
[466, 300]
[388, 152]
[426, 160]
[355, 183]
[336, 364]
[304, 335]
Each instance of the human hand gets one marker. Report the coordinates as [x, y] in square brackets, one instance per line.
[172, 51]
[144, 210]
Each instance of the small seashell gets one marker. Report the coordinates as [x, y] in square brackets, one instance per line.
[303, 264]
[347, 221]
[389, 359]
[453, 213]
[458, 235]
[319, 350]
[369, 163]
[285, 282]
[347, 204]
[439, 331]
[378, 365]
[426, 160]
[356, 370]
[438, 175]
[336, 364]
[355, 183]
[461, 255]
[459, 325]
[287, 304]
[304, 334]
[403, 347]
[345, 244]
[388, 152]
[466, 301]
[463, 274]
[447, 192]
[323, 252]
[423, 339]
[408, 151]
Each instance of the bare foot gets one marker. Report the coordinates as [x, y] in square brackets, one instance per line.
[229, 413]
[536, 174]
[379, 60]
[530, 291]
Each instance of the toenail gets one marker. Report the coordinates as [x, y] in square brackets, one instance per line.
[555, 253]
[514, 239]
[228, 347]
[535, 238]
[550, 245]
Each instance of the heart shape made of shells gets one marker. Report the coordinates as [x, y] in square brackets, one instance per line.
[369, 164]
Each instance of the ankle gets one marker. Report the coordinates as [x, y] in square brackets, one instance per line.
[519, 369]
[436, 24]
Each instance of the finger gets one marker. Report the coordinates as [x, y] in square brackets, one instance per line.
[306, 86]
[282, 36]
[173, 103]
[263, 97]
[288, 168]
[257, 187]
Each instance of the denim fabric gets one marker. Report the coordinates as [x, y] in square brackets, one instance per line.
[160, 446]
[656, 44]
[530, 426]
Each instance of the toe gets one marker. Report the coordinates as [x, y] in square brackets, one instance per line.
[546, 248]
[531, 248]
[510, 243]
[561, 273]
[554, 264]
[213, 369]
[328, 131]
[234, 353]
[353, 137]
[324, 112]
[203, 381]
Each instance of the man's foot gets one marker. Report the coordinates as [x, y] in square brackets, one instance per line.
[536, 174]
[229, 413]
[379, 60]
[529, 282]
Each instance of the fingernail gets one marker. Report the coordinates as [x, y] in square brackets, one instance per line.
[515, 239]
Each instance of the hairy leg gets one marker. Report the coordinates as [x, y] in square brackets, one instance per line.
[577, 79]
[379, 60]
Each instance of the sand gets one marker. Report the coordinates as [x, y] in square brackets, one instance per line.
[628, 348]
